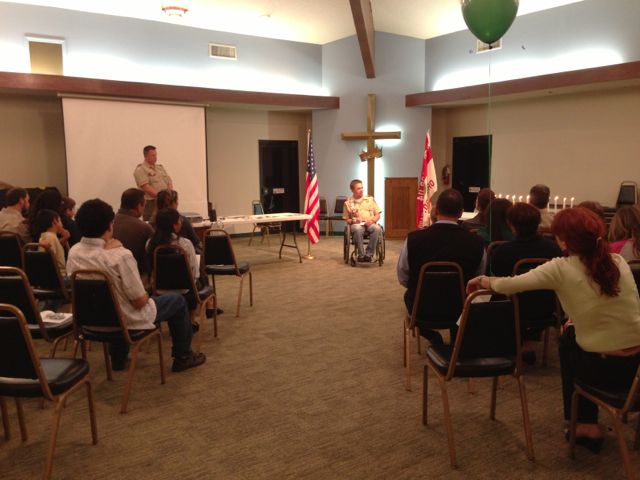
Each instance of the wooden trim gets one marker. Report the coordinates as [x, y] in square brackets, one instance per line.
[57, 84]
[363, 20]
[576, 80]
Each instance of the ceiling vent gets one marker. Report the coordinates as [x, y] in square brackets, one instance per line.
[218, 50]
[482, 47]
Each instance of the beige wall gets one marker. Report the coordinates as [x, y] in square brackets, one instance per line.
[581, 145]
[32, 142]
[232, 152]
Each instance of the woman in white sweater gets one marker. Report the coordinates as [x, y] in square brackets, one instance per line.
[601, 340]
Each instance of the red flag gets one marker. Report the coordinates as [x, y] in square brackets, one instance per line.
[427, 187]
[311, 198]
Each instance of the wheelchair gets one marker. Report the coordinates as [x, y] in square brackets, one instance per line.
[350, 254]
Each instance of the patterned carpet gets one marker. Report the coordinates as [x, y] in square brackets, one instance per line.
[307, 383]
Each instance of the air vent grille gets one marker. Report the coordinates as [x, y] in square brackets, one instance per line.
[482, 47]
[218, 50]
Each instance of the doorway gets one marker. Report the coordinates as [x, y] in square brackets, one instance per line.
[471, 163]
[279, 180]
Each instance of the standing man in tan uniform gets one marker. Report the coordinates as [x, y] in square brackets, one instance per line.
[151, 178]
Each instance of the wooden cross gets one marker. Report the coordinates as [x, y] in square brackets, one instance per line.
[373, 151]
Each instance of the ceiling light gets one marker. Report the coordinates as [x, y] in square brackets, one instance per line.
[175, 8]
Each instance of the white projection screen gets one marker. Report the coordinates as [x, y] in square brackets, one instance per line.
[105, 138]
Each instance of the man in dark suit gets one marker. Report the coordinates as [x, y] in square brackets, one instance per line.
[445, 240]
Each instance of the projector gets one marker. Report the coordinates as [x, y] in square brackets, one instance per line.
[193, 217]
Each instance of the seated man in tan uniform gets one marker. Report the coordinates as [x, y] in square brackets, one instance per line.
[151, 177]
[362, 213]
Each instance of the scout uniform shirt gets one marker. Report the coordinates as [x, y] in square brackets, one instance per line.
[155, 175]
[362, 209]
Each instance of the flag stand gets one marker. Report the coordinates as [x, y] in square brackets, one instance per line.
[308, 256]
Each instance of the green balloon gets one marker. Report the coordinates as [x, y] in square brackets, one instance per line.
[489, 20]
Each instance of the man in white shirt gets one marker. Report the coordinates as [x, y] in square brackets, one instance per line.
[12, 216]
[98, 250]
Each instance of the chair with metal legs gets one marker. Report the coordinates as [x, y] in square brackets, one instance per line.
[221, 260]
[24, 375]
[487, 345]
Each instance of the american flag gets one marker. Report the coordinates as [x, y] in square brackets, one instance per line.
[311, 198]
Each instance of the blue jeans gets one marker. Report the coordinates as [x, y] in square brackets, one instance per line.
[358, 235]
[171, 308]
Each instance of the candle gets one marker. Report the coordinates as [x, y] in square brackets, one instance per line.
[513, 198]
[520, 198]
[572, 198]
[528, 200]
[499, 195]
[507, 197]
[564, 202]
[555, 203]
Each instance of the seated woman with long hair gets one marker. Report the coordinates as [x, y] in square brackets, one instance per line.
[624, 233]
[601, 341]
[168, 225]
[496, 226]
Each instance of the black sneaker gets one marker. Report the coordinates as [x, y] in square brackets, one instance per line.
[367, 259]
[194, 359]
[119, 366]
[361, 258]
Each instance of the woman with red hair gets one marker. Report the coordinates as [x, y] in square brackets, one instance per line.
[598, 294]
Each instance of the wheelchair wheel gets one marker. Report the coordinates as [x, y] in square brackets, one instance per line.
[352, 259]
[345, 246]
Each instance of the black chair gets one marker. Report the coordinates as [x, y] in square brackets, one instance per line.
[349, 254]
[15, 290]
[97, 318]
[323, 215]
[337, 212]
[438, 303]
[43, 274]
[627, 194]
[618, 403]
[24, 375]
[220, 260]
[487, 345]
[172, 274]
[10, 250]
[265, 228]
[539, 309]
[490, 249]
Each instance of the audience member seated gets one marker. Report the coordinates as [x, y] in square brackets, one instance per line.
[624, 231]
[595, 207]
[445, 240]
[601, 341]
[362, 213]
[49, 199]
[130, 230]
[539, 197]
[12, 217]
[168, 226]
[496, 228]
[485, 196]
[169, 199]
[67, 212]
[47, 227]
[98, 250]
[524, 220]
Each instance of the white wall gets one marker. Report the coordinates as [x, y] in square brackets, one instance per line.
[580, 35]
[117, 48]
[399, 70]
[233, 155]
[581, 145]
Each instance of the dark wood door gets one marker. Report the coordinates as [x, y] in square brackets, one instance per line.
[471, 160]
[400, 206]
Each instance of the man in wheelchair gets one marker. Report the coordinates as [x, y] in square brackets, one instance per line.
[362, 214]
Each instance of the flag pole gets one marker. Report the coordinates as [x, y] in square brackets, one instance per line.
[308, 256]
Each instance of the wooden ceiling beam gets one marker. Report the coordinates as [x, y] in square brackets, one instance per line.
[623, 74]
[56, 84]
[363, 19]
